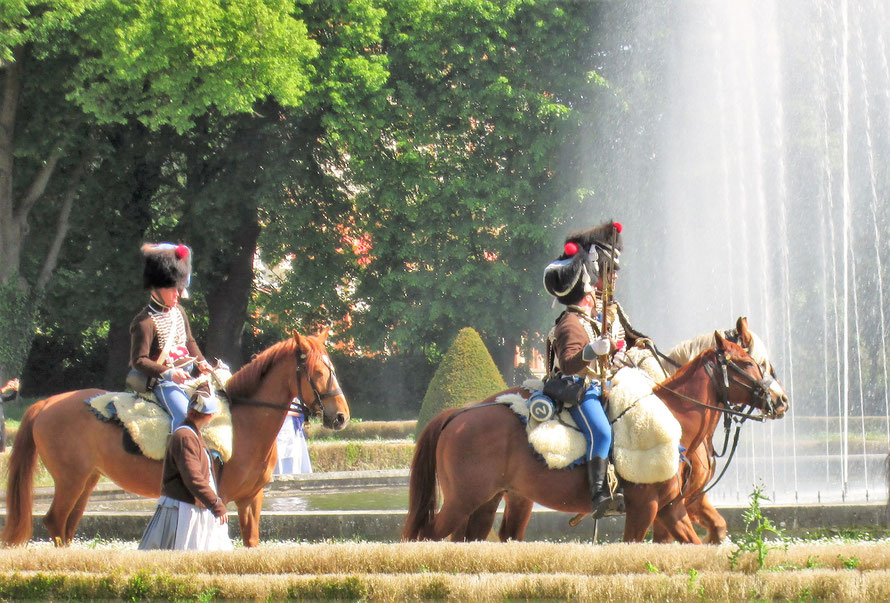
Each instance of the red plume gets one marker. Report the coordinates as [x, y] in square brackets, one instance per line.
[618, 226]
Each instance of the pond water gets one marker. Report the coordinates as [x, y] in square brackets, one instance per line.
[377, 499]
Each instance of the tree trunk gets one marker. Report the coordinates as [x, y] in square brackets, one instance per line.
[505, 356]
[10, 232]
[227, 302]
[144, 181]
[118, 362]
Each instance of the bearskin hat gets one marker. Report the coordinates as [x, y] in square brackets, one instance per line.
[576, 271]
[167, 265]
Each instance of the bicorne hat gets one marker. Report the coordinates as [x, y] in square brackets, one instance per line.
[167, 265]
[577, 270]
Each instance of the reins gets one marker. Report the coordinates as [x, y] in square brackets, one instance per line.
[759, 390]
[299, 405]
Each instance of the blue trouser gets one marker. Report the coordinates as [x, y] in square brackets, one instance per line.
[173, 398]
[593, 422]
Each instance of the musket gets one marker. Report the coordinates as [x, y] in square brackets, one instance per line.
[607, 296]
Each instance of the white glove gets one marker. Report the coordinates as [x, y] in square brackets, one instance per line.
[597, 347]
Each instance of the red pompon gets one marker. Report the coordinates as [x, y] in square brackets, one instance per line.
[619, 344]
[181, 251]
[618, 226]
[571, 248]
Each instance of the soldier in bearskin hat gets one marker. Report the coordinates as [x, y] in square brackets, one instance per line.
[162, 348]
[579, 349]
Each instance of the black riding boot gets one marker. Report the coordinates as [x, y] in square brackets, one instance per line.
[604, 502]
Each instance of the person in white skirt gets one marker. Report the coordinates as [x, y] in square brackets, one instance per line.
[190, 516]
[293, 452]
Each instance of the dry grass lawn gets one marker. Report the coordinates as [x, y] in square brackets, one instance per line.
[455, 571]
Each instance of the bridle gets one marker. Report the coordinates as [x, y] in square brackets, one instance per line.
[332, 387]
[332, 391]
[718, 371]
[723, 372]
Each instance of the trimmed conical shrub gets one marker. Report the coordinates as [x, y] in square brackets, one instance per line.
[466, 374]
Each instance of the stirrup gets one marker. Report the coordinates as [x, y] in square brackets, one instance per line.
[608, 505]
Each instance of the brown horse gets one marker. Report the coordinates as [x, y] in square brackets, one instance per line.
[702, 460]
[76, 447]
[481, 453]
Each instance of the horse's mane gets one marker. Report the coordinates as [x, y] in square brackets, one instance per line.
[687, 350]
[247, 379]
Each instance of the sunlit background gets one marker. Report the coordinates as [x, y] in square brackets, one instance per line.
[746, 154]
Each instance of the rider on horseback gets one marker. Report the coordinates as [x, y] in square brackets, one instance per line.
[162, 347]
[577, 346]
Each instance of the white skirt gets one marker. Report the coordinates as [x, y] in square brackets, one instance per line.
[293, 452]
[180, 526]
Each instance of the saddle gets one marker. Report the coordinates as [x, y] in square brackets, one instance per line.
[646, 436]
[147, 425]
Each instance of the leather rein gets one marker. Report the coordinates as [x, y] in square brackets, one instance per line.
[298, 405]
[759, 390]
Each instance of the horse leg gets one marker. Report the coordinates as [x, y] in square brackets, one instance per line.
[249, 519]
[77, 511]
[641, 502]
[702, 512]
[517, 512]
[660, 534]
[66, 495]
[675, 519]
[480, 521]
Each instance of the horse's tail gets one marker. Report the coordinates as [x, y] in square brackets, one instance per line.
[422, 483]
[20, 484]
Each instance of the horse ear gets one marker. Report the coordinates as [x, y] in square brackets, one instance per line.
[322, 333]
[745, 337]
[719, 341]
[297, 339]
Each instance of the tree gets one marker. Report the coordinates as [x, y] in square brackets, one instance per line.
[466, 374]
[461, 212]
[136, 63]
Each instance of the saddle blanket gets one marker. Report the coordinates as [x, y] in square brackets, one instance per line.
[149, 424]
[646, 437]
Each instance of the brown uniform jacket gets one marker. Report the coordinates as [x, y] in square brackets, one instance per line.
[145, 347]
[187, 467]
[570, 337]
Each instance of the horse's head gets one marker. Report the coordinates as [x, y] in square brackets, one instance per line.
[316, 382]
[740, 377]
[755, 347]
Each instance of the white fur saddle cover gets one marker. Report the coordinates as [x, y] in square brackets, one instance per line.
[646, 438]
[149, 424]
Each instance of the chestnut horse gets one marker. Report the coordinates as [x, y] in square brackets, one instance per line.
[480, 453]
[701, 460]
[77, 448]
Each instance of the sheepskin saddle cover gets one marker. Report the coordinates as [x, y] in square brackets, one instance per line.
[646, 439]
[149, 424]
[646, 435]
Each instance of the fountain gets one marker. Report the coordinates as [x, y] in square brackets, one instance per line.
[747, 157]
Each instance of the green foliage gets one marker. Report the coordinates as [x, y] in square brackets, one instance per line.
[17, 314]
[756, 529]
[466, 374]
[166, 62]
[693, 585]
[849, 562]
